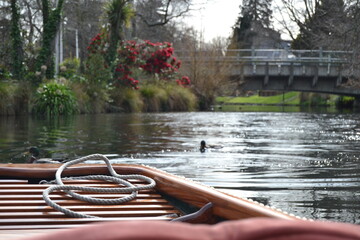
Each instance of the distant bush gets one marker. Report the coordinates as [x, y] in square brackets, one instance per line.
[6, 98]
[345, 102]
[54, 99]
[180, 99]
[155, 98]
[69, 68]
[126, 100]
[96, 70]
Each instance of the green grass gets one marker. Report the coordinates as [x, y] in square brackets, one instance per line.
[289, 98]
[286, 99]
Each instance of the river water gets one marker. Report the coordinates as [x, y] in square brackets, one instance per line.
[303, 163]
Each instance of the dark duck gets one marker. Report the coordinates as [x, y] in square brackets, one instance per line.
[204, 146]
[35, 154]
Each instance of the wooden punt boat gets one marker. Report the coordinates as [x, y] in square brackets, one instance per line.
[23, 209]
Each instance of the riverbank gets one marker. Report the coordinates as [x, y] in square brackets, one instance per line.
[291, 101]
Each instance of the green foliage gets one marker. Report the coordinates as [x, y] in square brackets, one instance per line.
[155, 98]
[119, 14]
[345, 102]
[70, 68]
[54, 99]
[4, 73]
[6, 98]
[14, 97]
[96, 70]
[126, 100]
[180, 98]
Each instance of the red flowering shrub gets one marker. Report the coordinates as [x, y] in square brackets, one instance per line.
[184, 81]
[152, 58]
[98, 44]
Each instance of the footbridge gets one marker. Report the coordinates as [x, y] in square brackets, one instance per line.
[291, 70]
[284, 70]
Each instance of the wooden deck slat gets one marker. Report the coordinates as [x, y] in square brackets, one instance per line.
[12, 181]
[88, 207]
[111, 213]
[74, 202]
[5, 187]
[31, 222]
[61, 195]
[33, 190]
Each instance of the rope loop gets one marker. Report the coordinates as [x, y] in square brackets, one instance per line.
[126, 187]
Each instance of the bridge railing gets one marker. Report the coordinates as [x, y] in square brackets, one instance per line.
[276, 56]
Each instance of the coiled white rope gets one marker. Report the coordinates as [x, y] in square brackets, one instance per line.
[115, 177]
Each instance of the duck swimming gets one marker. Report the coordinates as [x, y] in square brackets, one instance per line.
[203, 146]
[35, 153]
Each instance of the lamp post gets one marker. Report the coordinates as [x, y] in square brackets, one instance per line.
[77, 49]
[59, 52]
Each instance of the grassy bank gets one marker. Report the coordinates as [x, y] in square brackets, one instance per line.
[54, 98]
[291, 100]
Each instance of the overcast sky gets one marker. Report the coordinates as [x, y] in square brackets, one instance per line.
[216, 17]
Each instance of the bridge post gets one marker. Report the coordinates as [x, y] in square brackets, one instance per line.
[252, 58]
[266, 78]
[291, 76]
[316, 76]
[339, 78]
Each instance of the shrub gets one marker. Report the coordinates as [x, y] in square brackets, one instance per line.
[4, 73]
[155, 98]
[126, 100]
[180, 98]
[6, 98]
[345, 102]
[70, 68]
[96, 70]
[54, 99]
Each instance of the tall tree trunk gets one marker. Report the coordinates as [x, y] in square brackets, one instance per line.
[17, 46]
[51, 23]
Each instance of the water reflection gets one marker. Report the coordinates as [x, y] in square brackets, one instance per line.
[303, 163]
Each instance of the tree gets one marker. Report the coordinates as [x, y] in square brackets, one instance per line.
[161, 12]
[321, 23]
[17, 46]
[51, 21]
[119, 13]
[325, 28]
[203, 63]
[257, 11]
[254, 21]
[80, 25]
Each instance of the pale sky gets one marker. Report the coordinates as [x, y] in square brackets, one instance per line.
[216, 17]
